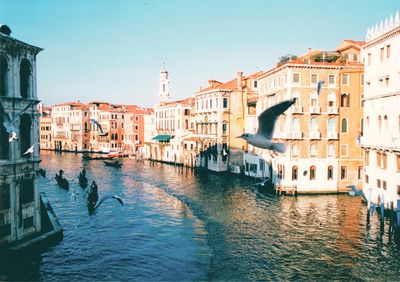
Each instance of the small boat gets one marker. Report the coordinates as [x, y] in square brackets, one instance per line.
[116, 164]
[92, 201]
[83, 181]
[86, 157]
[62, 182]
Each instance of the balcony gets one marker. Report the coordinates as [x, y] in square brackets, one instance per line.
[297, 135]
[297, 109]
[333, 110]
[333, 135]
[315, 135]
[315, 110]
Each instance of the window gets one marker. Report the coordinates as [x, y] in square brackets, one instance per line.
[4, 196]
[384, 160]
[378, 159]
[366, 157]
[331, 79]
[343, 172]
[25, 133]
[294, 173]
[359, 172]
[28, 222]
[380, 124]
[255, 83]
[382, 53]
[314, 99]
[27, 190]
[312, 172]
[398, 162]
[295, 150]
[378, 183]
[4, 144]
[385, 122]
[332, 125]
[296, 78]
[344, 125]
[3, 76]
[345, 79]
[343, 150]
[331, 99]
[388, 51]
[224, 128]
[313, 125]
[25, 78]
[362, 101]
[362, 79]
[384, 185]
[331, 150]
[366, 179]
[314, 78]
[313, 150]
[296, 124]
[330, 172]
[369, 58]
[225, 103]
[345, 100]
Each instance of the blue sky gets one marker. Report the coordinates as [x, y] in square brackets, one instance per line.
[113, 50]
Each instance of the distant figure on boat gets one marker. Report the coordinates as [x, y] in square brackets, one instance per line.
[83, 182]
[61, 181]
[93, 196]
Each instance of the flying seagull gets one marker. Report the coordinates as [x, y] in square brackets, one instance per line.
[30, 150]
[95, 122]
[9, 123]
[266, 125]
[106, 197]
[319, 86]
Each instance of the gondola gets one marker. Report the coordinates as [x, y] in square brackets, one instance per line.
[116, 164]
[87, 158]
[92, 201]
[83, 181]
[62, 182]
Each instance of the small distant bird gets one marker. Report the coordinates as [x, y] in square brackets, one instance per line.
[319, 86]
[30, 150]
[95, 122]
[9, 123]
[13, 137]
[106, 197]
[266, 126]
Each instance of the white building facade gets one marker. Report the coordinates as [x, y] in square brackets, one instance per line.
[381, 141]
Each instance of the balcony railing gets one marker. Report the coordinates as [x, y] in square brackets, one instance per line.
[297, 135]
[297, 109]
[333, 135]
[315, 109]
[315, 135]
[333, 110]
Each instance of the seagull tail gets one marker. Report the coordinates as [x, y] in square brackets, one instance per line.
[278, 147]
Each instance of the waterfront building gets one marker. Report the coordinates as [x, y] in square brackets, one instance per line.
[381, 139]
[321, 131]
[45, 128]
[219, 118]
[133, 130]
[21, 216]
[149, 131]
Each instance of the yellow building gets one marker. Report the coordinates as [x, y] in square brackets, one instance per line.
[320, 130]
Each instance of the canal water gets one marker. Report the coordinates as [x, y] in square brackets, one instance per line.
[182, 225]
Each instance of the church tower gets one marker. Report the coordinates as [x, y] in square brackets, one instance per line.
[163, 93]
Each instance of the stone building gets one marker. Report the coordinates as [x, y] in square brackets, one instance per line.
[45, 128]
[321, 131]
[21, 216]
[381, 139]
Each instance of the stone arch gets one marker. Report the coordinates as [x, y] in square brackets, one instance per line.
[25, 79]
[3, 75]
[25, 132]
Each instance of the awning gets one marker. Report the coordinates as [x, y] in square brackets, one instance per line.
[162, 137]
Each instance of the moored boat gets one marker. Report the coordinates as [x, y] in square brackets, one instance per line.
[116, 164]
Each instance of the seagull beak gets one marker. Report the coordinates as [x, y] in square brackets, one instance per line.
[239, 136]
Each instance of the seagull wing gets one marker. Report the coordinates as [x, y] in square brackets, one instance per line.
[106, 197]
[319, 85]
[93, 121]
[118, 199]
[267, 119]
[17, 115]
[6, 117]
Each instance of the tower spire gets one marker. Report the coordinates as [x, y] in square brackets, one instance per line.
[163, 92]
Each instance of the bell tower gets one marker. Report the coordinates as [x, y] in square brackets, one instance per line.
[163, 93]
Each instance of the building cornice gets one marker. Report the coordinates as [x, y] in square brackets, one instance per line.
[397, 93]
[12, 45]
[382, 38]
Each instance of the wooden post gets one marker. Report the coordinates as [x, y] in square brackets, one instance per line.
[398, 213]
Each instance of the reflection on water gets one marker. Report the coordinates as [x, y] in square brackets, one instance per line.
[179, 225]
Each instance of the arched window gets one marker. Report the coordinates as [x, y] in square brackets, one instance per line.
[331, 150]
[314, 99]
[332, 125]
[294, 172]
[331, 99]
[4, 144]
[313, 150]
[25, 133]
[385, 122]
[295, 150]
[3, 76]
[187, 123]
[380, 124]
[330, 172]
[312, 172]
[313, 124]
[362, 127]
[368, 121]
[344, 125]
[296, 124]
[345, 100]
[25, 78]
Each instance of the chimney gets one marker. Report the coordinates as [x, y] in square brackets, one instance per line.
[309, 50]
[239, 79]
